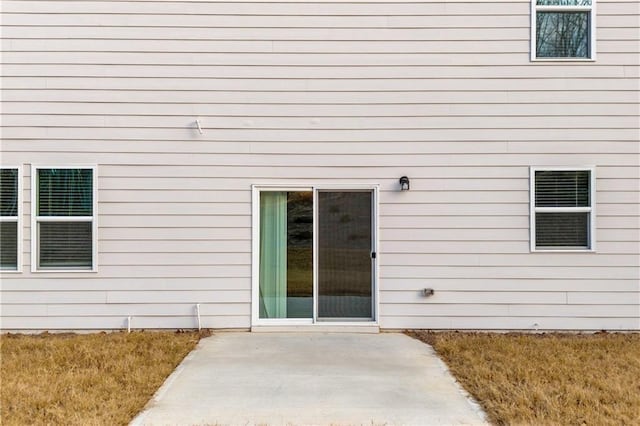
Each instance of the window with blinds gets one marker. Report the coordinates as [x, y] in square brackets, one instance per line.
[562, 209]
[9, 218]
[65, 218]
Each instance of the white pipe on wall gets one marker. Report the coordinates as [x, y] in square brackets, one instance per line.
[198, 314]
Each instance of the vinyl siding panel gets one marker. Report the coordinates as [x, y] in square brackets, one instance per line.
[355, 92]
[511, 322]
[35, 323]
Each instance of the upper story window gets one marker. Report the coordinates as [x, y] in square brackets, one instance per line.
[562, 209]
[10, 212]
[64, 218]
[562, 29]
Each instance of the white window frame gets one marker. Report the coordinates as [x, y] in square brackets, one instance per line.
[592, 30]
[18, 220]
[591, 209]
[35, 220]
[256, 321]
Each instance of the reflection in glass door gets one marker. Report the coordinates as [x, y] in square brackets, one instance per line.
[340, 275]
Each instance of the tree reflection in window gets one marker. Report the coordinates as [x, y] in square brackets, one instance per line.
[562, 35]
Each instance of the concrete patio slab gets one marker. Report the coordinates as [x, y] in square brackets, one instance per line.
[311, 379]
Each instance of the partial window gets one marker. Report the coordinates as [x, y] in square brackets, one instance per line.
[65, 221]
[9, 218]
[562, 209]
[563, 29]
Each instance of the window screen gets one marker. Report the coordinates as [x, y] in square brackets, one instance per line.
[562, 229]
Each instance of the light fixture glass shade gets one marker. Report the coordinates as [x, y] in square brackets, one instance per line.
[404, 183]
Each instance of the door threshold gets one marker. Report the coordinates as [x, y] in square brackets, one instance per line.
[317, 328]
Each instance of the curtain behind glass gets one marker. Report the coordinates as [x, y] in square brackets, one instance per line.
[273, 255]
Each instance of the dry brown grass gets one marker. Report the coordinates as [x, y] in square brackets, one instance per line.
[546, 379]
[91, 379]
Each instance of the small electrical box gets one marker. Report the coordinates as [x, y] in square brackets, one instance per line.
[428, 292]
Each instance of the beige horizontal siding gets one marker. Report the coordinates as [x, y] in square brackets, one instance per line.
[339, 98]
[75, 283]
[75, 109]
[329, 123]
[322, 92]
[17, 77]
[160, 310]
[317, 149]
[281, 8]
[38, 323]
[539, 322]
[250, 46]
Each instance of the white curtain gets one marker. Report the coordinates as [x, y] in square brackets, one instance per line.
[273, 254]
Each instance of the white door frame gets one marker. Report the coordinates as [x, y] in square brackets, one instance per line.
[255, 253]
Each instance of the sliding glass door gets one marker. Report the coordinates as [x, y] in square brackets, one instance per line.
[345, 255]
[315, 255]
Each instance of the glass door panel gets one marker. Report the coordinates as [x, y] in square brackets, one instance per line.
[286, 254]
[345, 265]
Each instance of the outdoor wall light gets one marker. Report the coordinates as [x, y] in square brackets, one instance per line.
[404, 183]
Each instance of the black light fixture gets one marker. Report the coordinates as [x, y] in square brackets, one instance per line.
[404, 183]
